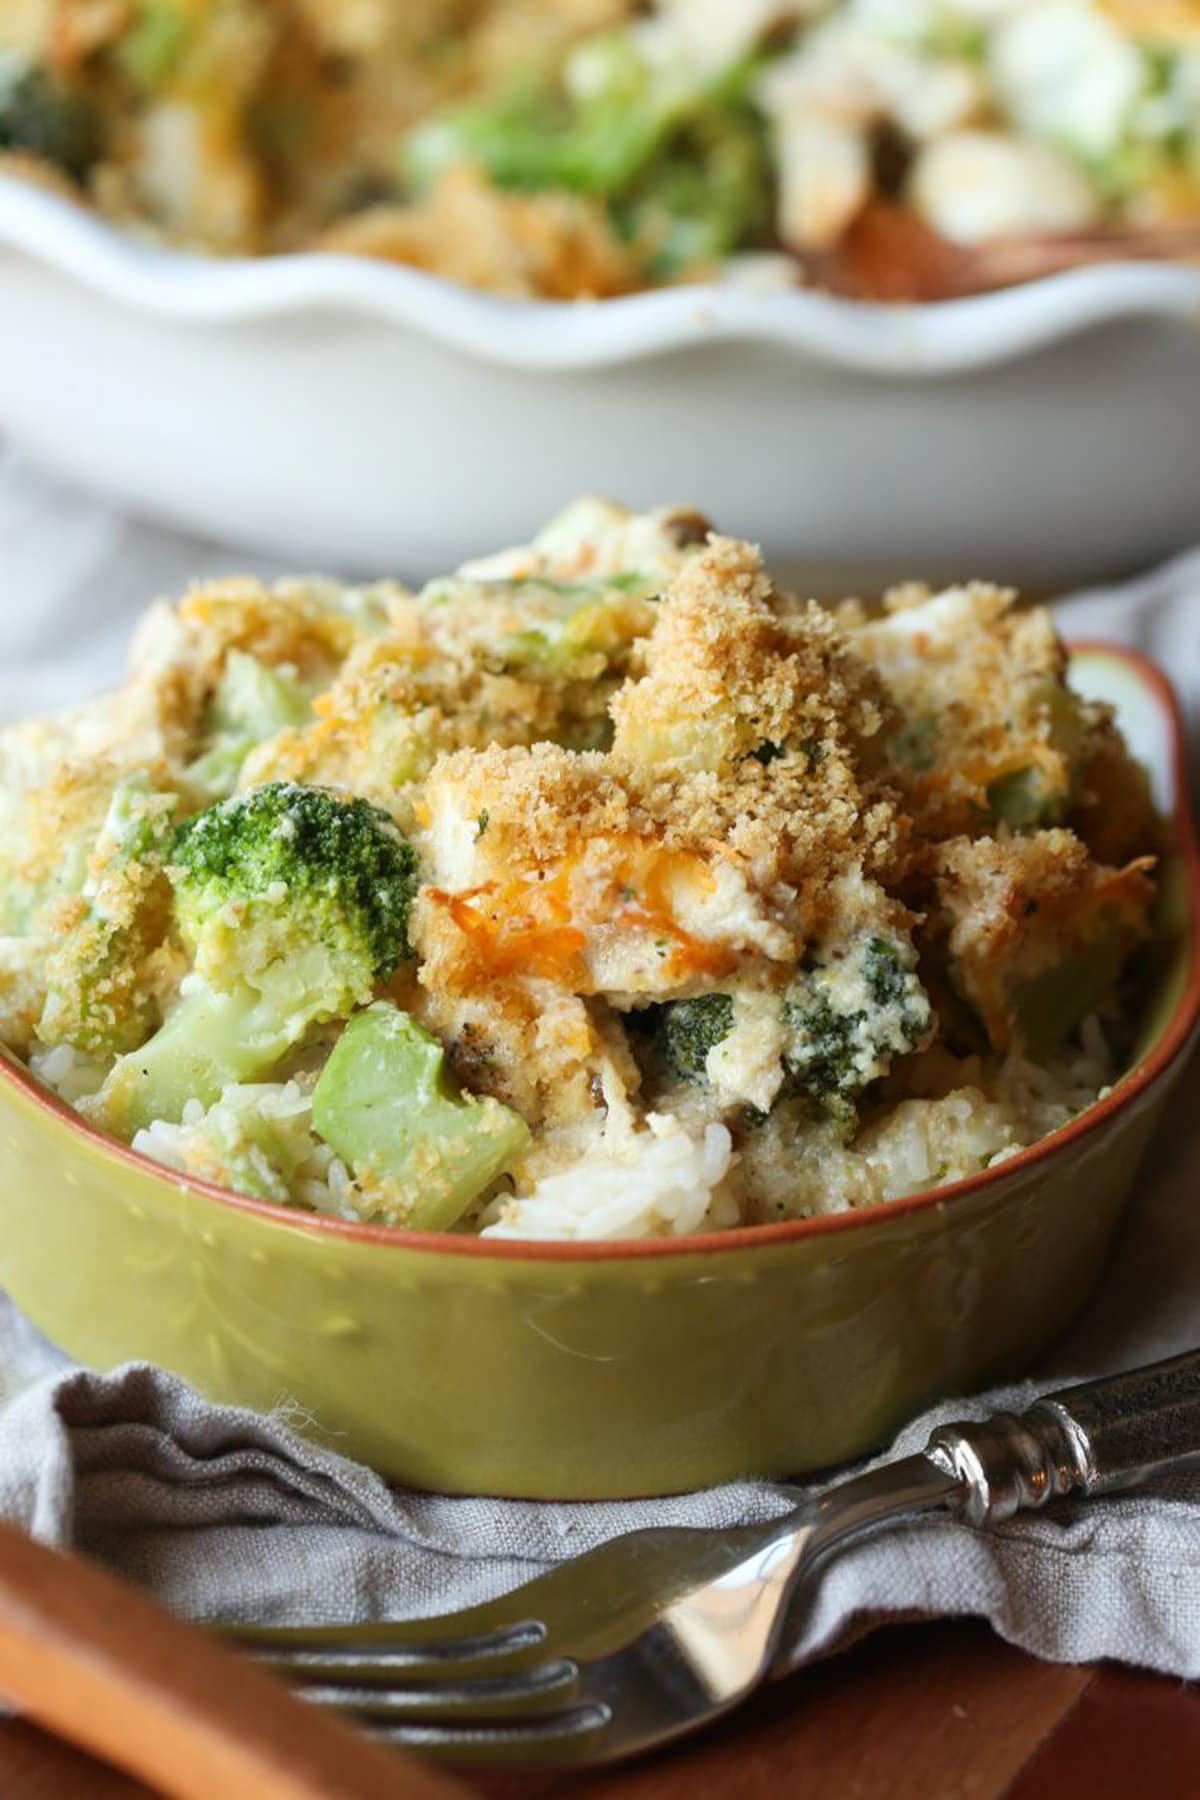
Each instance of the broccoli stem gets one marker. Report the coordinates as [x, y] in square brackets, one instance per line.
[388, 1105]
[209, 1042]
[252, 703]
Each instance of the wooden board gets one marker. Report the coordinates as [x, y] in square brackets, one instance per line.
[932, 1712]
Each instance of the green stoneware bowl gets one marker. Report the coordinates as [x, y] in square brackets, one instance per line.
[582, 1371]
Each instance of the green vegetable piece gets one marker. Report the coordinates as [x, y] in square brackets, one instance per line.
[282, 869]
[388, 1105]
[956, 38]
[1031, 798]
[848, 1019]
[25, 894]
[591, 619]
[139, 821]
[40, 116]
[845, 1021]
[822, 1055]
[252, 703]
[1024, 800]
[1047, 1009]
[151, 50]
[914, 745]
[682, 162]
[888, 970]
[706, 196]
[536, 134]
[211, 1040]
[691, 1028]
[295, 902]
[252, 1151]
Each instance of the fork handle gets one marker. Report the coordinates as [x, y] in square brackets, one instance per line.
[1093, 1439]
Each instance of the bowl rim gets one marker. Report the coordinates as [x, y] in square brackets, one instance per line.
[899, 340]
[1174, 1042]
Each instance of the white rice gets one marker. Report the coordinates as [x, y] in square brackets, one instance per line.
[72, 1074]
[662, 1182]
[260, 1133]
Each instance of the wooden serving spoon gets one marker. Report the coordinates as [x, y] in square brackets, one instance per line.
[890, 255]
[101, 1666]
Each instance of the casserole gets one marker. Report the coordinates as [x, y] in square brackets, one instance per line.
[581, 1371]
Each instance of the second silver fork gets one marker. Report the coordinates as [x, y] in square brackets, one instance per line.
[659, 1632]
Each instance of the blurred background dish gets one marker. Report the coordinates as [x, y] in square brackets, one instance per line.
[365, 417]
[595, 147]
[372, 286]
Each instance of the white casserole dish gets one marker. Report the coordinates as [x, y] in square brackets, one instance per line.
[370, 418]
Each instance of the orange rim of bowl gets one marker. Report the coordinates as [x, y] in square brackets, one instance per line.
[1174, 1042]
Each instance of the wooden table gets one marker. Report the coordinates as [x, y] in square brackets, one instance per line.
[928, 1712]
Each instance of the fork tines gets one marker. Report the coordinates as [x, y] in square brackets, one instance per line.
[490, 1694]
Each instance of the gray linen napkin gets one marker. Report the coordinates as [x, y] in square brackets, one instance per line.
[225, 1514]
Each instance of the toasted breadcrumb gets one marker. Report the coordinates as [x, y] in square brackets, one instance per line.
[1114, 813]
[1018, 908]
[980, 688]
[730, 669]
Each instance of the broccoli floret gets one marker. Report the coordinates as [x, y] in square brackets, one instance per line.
[889, 971]
[847, 1018]
[421, 1150]
[100, 994]
[844, 1020]
[823, 1044]
[295, 903]
[286, 866]
[252, 703]
[690, 1029]
[39, 116]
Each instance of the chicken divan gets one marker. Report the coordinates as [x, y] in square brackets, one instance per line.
[597, 890]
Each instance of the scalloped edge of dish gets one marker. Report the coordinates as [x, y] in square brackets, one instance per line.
[942, 338]
[1178, 1038]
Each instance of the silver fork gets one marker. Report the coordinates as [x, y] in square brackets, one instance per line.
[659, 1632]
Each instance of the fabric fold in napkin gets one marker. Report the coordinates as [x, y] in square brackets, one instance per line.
[227, 1515]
